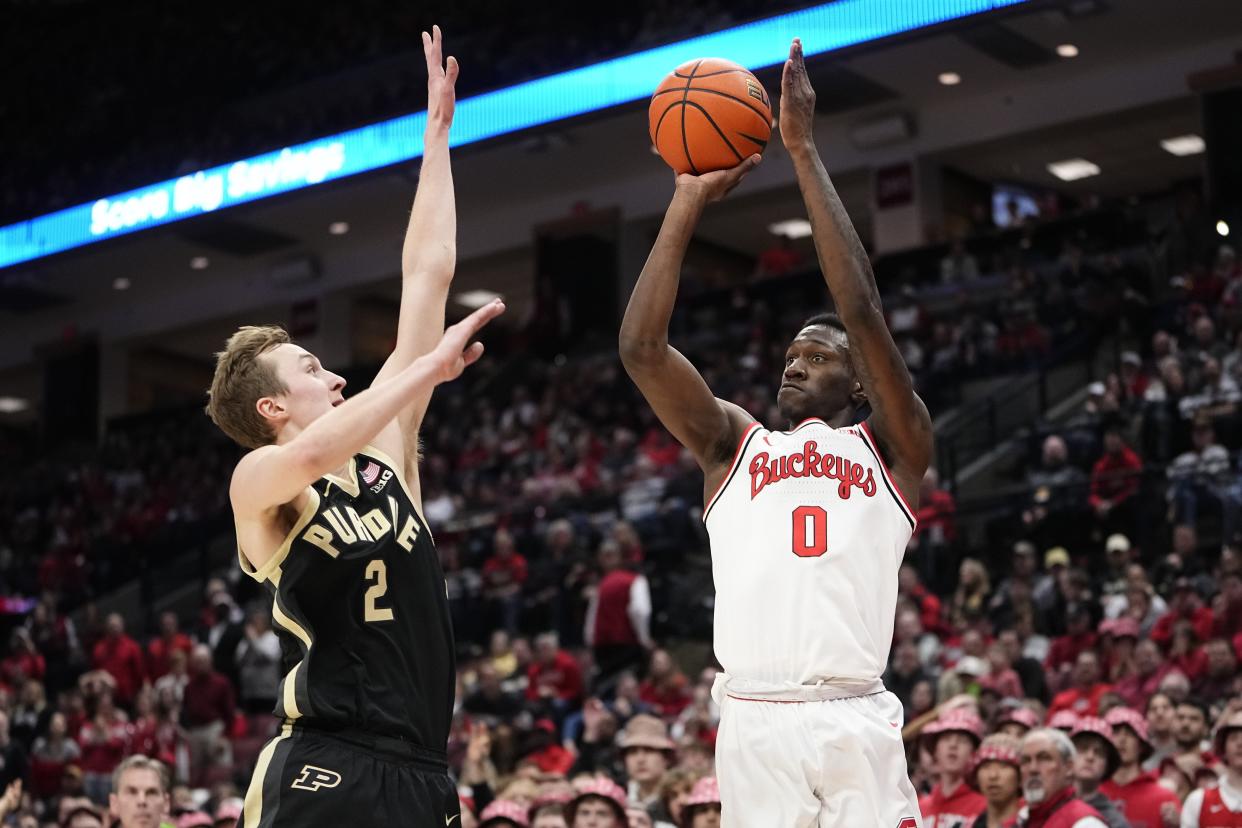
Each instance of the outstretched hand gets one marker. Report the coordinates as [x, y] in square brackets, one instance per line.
[714, 186]
[441, 81]
[456, 351]
[797, 98]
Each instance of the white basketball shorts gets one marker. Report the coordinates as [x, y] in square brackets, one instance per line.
[806, 757]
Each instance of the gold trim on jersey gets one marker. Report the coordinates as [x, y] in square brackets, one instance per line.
[382, 456]
[289, 684]
[253, 805]
[269, 570]
[350, 483]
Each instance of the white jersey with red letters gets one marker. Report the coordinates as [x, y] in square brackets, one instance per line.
[807, 533]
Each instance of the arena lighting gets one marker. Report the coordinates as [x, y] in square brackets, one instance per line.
[338, 228]
[1067, 50]
[792, 228]
[12, 405]
[1222, 227]
[1073, 169]
[199, 263]
[475, 298]
[823, 28]
[1184, 144]
[949, 78]
[120, 283]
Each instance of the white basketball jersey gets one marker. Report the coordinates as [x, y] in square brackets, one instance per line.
[807, 534]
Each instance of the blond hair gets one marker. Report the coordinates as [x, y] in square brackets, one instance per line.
[241, 379]
[140, 762]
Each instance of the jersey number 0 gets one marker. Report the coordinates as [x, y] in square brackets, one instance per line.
[810, 531]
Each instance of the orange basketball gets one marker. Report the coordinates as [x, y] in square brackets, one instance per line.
[709, 114]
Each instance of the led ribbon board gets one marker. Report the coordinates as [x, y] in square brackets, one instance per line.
[822, 28]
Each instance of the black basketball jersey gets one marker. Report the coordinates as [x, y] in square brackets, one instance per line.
[361, 610]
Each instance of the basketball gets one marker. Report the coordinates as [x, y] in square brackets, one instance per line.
[709, 114]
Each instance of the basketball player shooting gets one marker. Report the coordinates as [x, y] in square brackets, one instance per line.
[329, 519]
[808, 526]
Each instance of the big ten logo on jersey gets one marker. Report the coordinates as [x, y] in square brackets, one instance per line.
[346, 527]
[374, 477]
[808, 462]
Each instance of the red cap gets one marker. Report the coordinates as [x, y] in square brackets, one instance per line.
[1063, 720]
[1024, 716]
[991, 753]
[604, 789]
[503, 809]
[705, 792]
[1093, 726]
[955, 721]
[1131, 718]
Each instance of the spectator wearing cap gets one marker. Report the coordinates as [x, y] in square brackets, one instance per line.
[703, 805]
[194, 819]
[1097, 760]
[951, 741]
[647, 752]
[1084, 696]
[598, 803]
[504, 813]
[1186, 606]
[995, 774]
[1190, 729]
[1138, 793]
[1134, 379]
[82, 815]
[1149, 670]
[1115, 482]
[1063, 720]
[1017, 722]
[1047, 759]
[1222, 805]
[228, 813]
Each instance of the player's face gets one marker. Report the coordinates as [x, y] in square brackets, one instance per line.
[311, 390]
[818, 380]
[998, 782]
[139, 802]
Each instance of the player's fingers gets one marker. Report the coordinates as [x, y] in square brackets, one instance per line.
[471, 355]
[452, 69]
[475, 321]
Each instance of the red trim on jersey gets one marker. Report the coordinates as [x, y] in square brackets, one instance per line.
[737, 457]
[869, 438]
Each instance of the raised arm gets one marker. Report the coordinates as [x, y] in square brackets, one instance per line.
[899, 419]
[676, 391]
[429, 253]
[269, 477]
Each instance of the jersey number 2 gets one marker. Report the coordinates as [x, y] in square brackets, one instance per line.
[378, 571]
[810, 531]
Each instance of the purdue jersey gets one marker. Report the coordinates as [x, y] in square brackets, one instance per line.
[807, 533]
[360, 608]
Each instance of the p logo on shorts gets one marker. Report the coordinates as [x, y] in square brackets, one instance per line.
[313, 778]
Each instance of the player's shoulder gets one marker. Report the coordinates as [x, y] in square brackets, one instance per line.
[245, 470]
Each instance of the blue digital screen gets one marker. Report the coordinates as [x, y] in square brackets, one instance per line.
[822, 28]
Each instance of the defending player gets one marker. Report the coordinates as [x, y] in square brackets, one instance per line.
[807, 526]
[329, 517]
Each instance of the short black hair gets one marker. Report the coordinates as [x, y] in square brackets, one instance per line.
[1198, 704]
[827, 320]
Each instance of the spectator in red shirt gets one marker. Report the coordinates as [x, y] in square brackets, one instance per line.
[1218, 678]
[554, 676]
[1114, 481]
[1134, 380]
[1084, 697]
[503, 575]
[1150, 669]
[951, 740]
[778, 260]
[1079, 637]
[937, 511]
[121, 657]
[1139, 795]
[1187, 605]
[103, 740]
[666, 688]
[618, 617]
[162, 647]
[911, 588]
[24, 661]
[50, 755]
[1190, 729]
[207, 713]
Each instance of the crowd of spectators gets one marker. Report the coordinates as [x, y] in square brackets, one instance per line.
[568, 524]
